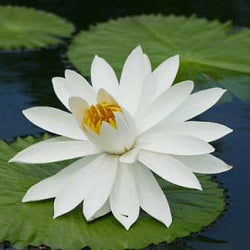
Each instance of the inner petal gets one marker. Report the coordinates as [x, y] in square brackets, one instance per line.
[96, 114]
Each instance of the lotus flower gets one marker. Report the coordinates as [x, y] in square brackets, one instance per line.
[122, 133]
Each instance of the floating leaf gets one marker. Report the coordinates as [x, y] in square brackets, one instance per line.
[32, 223]
[22, 27]
[210, 52]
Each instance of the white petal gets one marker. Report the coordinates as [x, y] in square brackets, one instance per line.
[130, 156]
[113, 140]
[175, 144]
[126, 132]
[104, 96]
[204, 164]
[55, 121]
[169, 169]
[165, 74]
[73, 85]
[116, 140]
[196, 104]
[61, 89]
[160, 80]
[151, 196]
[132, 79]
[78, 185]
[124, 201]
[52, 151]
[147, 66]
[164, 105]
[110, 140]
[78, 106]
[102, 211]
[101, 190]
[130, 121]
[103, 76]
[207, 131]
[50, 187]
[79, 86]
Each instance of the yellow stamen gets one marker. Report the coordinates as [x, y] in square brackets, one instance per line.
[96, 114]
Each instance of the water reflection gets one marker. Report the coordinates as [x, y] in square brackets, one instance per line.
[25, 81]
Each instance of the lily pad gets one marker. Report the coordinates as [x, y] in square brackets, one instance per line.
[22, 27]
[211, 52]
[32, 223]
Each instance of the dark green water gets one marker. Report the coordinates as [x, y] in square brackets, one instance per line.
[25, 82]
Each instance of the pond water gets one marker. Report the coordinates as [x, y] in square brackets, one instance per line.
[25, 82]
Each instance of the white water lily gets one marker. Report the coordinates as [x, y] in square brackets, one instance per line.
[122, 133]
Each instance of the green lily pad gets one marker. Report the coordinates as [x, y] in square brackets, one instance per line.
[22, 27]
[32, 223]
[211, 53]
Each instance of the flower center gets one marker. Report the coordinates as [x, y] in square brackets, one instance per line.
[96, 114]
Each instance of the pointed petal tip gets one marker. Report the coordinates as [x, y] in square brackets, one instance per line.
[127, 226]
[53, 79]
[210, 148]
[197, 185]
[25, 112]
[88, 216]
[186, 84]
[126, 223]
[72, 75]
[56, 214]
[138, 48]
[66, 71]
[12, 159]
[101, 90]
[177, 57]
[58, 211]
[221, 91]
[75, 101]
[24, 199]
[96, 57]
[69, 71]
[15, 159]
[227, 131]
[168, 223]
[56, 79]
